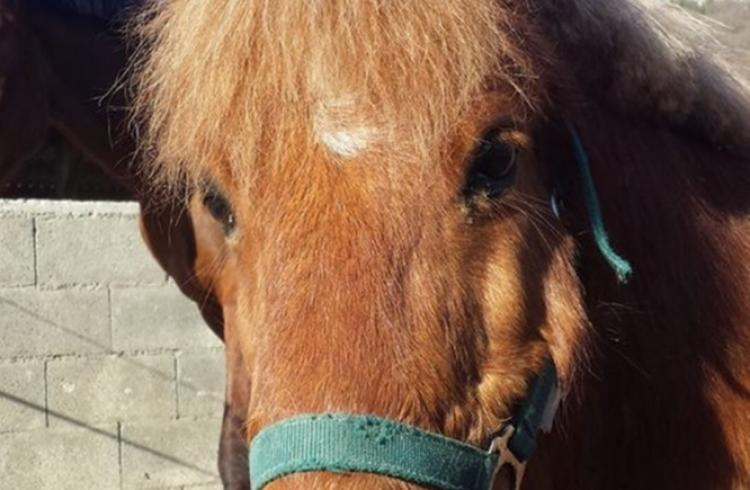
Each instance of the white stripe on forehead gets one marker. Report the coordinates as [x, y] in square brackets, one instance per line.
[343, 131]
[348, 142]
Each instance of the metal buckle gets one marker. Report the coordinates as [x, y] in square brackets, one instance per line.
[507, 458]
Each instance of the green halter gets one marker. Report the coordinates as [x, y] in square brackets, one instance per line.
[344, 443]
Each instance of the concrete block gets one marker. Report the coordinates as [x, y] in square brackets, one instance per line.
[16, 251]
[22, 405]
[157, 318]
[111, 388]
[93, 250]
[57, 207]
[200, 384]
[177, 453]
[68, 459]
[53, 322]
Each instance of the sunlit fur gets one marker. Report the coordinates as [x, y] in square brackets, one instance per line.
[270, 66]
[373, 285]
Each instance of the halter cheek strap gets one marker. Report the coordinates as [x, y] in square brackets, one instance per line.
[345, 443]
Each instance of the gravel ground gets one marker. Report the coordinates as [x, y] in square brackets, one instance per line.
[732, 21]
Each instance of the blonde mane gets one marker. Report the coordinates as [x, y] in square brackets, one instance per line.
[236, 82]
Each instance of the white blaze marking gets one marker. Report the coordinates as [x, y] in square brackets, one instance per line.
[347, 143]
[338, 126]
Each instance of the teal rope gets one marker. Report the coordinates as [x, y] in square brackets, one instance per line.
[622, 267]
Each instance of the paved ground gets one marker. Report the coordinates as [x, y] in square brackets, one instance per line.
[728, 22]
[733, 30]
[108, 377]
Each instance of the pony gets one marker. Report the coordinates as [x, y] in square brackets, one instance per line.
[383, 172]
[58, 70]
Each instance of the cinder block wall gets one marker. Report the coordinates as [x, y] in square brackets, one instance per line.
[109, 379]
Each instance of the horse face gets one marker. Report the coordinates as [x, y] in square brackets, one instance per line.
[389, 247]
[429, 292]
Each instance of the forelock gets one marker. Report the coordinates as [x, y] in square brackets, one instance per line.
[238, 82]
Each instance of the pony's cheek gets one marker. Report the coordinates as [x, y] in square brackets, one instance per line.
[502, 301]
[501, 288]
[531, 302]
[244, 313]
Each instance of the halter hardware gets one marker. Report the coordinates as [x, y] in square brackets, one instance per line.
[506, 457]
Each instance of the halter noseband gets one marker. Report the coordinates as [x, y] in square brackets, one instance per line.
[346, 443]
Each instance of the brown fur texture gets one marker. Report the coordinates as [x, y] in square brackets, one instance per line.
[369, 282]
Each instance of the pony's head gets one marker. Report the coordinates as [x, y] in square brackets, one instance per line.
[383, 173]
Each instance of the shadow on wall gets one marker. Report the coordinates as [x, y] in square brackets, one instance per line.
[109, 378]
[113, 436]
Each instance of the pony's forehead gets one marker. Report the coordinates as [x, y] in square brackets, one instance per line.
[346, 77]
[344, 127]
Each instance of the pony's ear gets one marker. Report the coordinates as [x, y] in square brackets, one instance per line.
[649, 62]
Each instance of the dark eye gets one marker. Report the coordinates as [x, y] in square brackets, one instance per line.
[493, 167]
[219, 208]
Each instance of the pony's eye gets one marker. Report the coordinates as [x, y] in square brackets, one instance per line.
[219, 207]
[493, 167]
